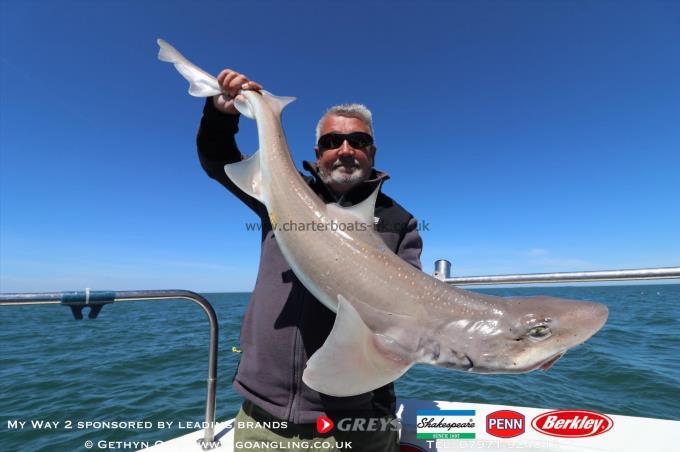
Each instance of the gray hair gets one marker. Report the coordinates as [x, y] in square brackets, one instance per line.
[358, 111]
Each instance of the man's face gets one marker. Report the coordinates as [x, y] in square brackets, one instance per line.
[344, 167]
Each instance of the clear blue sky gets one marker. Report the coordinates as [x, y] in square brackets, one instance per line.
[531, 135]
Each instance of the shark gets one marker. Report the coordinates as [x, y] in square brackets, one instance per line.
[389, 314]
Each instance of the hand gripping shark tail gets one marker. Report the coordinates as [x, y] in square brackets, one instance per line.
[246, 174]
[202, 84]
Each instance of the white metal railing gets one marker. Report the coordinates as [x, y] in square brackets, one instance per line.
[443, 272]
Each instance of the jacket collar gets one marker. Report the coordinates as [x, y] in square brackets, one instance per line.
[354, 195]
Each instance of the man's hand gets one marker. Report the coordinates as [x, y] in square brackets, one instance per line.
[231, 83]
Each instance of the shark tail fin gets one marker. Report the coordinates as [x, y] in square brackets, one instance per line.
[353, 360]
[243, 107]
[201, 84]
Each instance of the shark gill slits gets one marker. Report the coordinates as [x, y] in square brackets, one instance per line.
[435, 351]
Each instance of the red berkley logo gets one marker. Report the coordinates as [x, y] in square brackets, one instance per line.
[505, 423]
[323, 424]
[572, 423]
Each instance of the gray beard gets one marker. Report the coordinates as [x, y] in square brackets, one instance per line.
[340, 177]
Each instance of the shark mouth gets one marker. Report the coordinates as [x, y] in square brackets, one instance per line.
[550, 361]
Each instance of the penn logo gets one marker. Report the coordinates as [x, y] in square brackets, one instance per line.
[505, 423]
[572, 423]
[323, 424]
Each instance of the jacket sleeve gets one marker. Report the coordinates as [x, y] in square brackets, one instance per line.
[411, 244]
[217, 147]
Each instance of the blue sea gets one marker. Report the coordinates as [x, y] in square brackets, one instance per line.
[147, 362]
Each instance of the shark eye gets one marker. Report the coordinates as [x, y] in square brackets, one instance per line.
[539, 332]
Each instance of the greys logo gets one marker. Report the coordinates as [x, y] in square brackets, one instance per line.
[374, 424]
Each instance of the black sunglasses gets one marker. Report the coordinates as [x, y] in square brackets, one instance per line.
[358, 140]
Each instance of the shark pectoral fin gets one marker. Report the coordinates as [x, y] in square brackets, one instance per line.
[354, 359]
[201, 84]
[365, 210]
[247, 176]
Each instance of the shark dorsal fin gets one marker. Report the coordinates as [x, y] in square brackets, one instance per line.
[275, 103]
[365, 210]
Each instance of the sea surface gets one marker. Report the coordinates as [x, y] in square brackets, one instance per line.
[147, 362]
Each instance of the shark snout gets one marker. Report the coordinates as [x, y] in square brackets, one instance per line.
[591, 316]
[577, 318]
[601, 314]
[546, 327]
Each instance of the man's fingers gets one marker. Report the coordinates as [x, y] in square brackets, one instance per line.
[231, 82]
[227, 83]
[251, 85]
[223, 73]
[235, 84]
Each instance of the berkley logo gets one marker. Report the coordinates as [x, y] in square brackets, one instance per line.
[505, 423]
[572, 423]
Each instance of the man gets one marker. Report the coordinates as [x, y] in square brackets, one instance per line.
[284, 324]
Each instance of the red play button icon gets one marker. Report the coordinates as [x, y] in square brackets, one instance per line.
[323, 424]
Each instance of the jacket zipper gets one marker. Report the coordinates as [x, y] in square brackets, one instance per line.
[293, 415]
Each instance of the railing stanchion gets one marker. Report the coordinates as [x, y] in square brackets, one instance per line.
[94, 300]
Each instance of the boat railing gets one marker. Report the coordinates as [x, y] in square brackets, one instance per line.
[443, 272]
[95, 300]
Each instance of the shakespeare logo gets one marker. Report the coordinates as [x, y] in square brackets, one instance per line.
[445, 424]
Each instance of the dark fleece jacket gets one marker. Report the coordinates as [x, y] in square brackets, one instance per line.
[284, 324]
